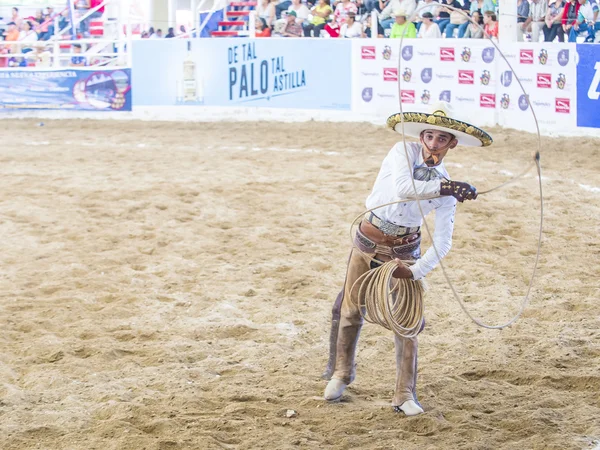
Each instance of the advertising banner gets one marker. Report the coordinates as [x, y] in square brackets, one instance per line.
[588, 86]
[274, 73]
[92, 90]
[429, 71]
[548, 75]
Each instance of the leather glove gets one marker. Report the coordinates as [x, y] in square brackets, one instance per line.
[459, 190]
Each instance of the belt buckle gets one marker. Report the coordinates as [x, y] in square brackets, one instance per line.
[389, 229]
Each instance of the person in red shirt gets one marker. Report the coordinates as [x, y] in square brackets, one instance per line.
[491, 25]
[85, 24]
[570, 13]
[262, 30]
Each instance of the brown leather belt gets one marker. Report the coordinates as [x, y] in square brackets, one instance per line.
[379, 237]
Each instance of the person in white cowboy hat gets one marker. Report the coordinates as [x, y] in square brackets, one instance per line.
[394, 232]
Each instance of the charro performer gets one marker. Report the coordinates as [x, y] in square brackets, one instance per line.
[394, 232]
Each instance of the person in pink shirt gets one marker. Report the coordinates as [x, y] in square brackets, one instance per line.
[491, 25]
[339, 17]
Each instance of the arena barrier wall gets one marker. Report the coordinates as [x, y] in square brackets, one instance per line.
[85, 89]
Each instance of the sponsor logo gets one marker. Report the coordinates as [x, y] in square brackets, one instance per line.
[544, 80]
[369, 74]
[446, 96]
[446, 53]
[386, 96]
[465, 99]
[407, 96]
[543, 57]
[367, 52]
[563, 57]
[541, 104]
[407, 75]
[487, 100]
[561, 81]
[426, 75]
[523, 103]
[485, 77]
[466, 77]
[526, 56]
[425, 97]
[562, 105]
[387, 52]
[422, 53]
[505, 101]
[506, 78]
[466, 54]
[488, 54]
[367, 94]
[390, 74]
[444, 75]
[407, 53]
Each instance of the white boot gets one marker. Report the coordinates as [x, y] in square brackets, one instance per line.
[334, 390]
[410, 408]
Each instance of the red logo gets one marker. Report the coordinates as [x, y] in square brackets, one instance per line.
[544, 80]
[390, 74]
[407, 96]
[367, 52]
[562, 105]
[446, 53]
[526, 56]
[487, 100]
[466, 77]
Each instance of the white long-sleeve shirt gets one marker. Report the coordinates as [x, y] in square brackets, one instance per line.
[394, 183]
[408, 6]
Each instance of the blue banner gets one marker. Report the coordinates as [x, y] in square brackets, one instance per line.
[92, 90]
[588, 86]
[275, 73]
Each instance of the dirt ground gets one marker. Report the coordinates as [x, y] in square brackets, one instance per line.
[169, 286]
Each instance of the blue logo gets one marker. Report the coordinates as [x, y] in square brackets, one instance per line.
[588, 86]
[407, 53]
[488, 54]
[425, 97]
[426, 75]
[446, 96]
[523, 103]
[506, 78]
[563, 57]
[367, 94]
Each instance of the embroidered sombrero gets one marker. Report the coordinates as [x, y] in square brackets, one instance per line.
[440, 119]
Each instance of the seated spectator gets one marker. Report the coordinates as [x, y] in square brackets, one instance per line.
[15, 17]
[423, 7]
[367, 27]
[386, 17]
[491, 25]
[474, 30]
[181, 30]
[11, 35]
[443, 13]
[457, 18]
[281, 6]
[429, 29]
[158, 34]
[586, 21]
[351, 29]
[301, 15]
[522, 15]
[339, 17]
[40, 56]
[320, 14]
[27, 36]
[292, 28]
[78, 61]
[480, 6]
[262, 30]
[553, 23]
[266, 9]
[170, 33]
[570, 13]
[39, 16]
[536, 18]
[402, 27]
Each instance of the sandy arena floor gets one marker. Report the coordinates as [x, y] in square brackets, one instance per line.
[169, 286]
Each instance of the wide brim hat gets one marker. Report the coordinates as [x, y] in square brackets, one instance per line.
[441, 119]
[399, 13]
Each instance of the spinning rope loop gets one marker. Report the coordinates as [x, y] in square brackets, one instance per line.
[397, 304]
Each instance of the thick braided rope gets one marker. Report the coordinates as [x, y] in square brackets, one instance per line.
[403, 311]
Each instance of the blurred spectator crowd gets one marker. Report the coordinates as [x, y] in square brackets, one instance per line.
[546, 20]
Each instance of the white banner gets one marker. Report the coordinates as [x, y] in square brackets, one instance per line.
[471, 75]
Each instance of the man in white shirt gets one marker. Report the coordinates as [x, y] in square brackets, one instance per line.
[586, 21]
[408, 6]
[394, 232]
[537, 17]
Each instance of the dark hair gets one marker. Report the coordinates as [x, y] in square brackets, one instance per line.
[15, 8]
[77, 45]
[151, 30]
[263, 22]
[327, 2]
[490, 14]
[427, 15]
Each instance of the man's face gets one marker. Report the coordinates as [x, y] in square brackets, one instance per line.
[400, 20]
[437, 143]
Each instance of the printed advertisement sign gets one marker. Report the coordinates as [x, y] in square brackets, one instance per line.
[548, 75]
[92, 90]
[588, 86]
[276, 73]
[428, 71]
